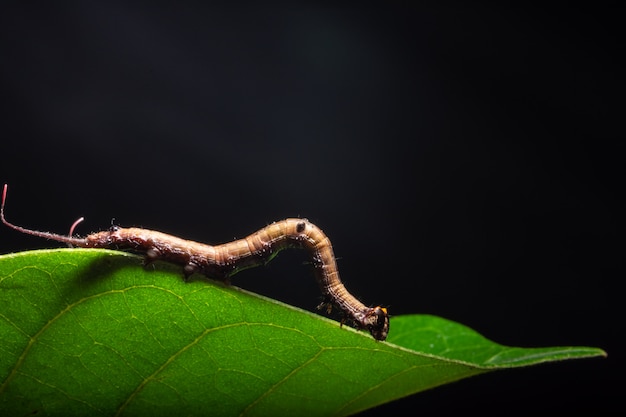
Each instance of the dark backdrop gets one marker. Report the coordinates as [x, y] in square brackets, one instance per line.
[465, 161]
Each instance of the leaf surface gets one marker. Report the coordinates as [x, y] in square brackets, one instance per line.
[90, 332]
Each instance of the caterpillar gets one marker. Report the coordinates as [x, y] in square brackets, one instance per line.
[223, 261]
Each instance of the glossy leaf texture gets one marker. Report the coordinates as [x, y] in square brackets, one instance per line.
[91, 332]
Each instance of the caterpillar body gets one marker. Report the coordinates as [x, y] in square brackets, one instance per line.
[223, 261]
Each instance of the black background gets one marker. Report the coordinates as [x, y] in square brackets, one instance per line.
[466, 162]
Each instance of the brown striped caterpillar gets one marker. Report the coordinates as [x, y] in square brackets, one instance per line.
[223, 261]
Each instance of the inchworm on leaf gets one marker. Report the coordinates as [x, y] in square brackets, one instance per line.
[222, 261]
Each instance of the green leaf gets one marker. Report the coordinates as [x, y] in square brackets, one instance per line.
[90, 332]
